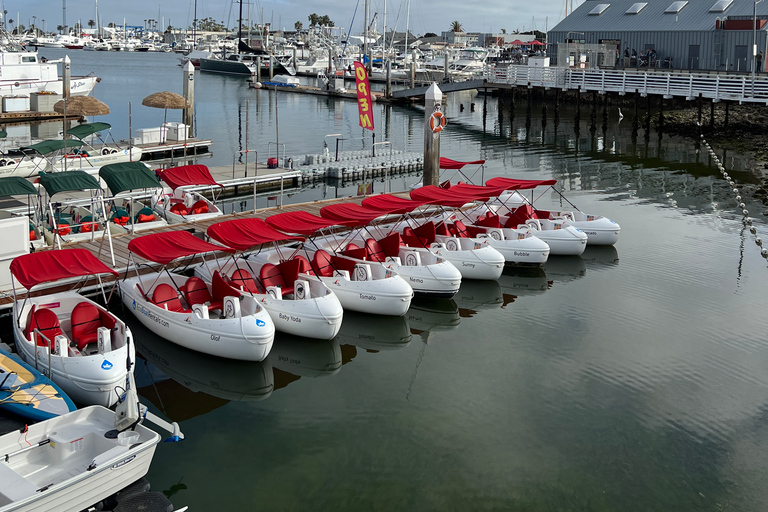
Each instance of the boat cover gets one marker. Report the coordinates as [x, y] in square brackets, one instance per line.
[83, 130]
[163, 248]
[302, 222]
[184, 175]
[48, 266]
[387, 203]
[447, 163]
[242, 234]
[351, 213]
[512, 184]
[16, 186]
[479, 190]
[49, 146]
[67, 181]
[446, 197]
[128, 176]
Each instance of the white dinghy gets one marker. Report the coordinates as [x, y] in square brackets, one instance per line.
[176, 204]
[210, 317]
[427, 273]
[299, 303]
[75, 342]
[599, 230]
[72, 462]
[475, 258]
[518, 246]
[359, 286]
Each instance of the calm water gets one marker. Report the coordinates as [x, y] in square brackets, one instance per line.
[632, 378]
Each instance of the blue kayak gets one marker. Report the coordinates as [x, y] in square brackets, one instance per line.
[26, 392]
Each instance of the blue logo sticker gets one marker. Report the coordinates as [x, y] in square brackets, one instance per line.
[260, 323]
[106, 365]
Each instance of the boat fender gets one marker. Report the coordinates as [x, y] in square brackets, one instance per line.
[363, 272]
[395, 260]
[411, 258]
[301, 289]
[104, 151]
[104, 337]
[201, 310]
[275, 292]
[452, 244]
[61, 346]
[344, 274]
[232, 307]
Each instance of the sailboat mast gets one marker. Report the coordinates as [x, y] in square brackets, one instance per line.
[407, 28]
[194, 29]
[240, 26]
[63, 14]
[365, 34]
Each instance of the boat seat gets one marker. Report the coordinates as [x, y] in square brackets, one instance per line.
[87, 225]
[374, 251]
[475, 231]
[179, 209]
[519, 216]
[390, 244]
[86, 320]
[120, 217]
[15, 486]
[426, 231]
[196, 292]
[542, 214]
[166, 297]
[408, 230]
[460, 230]
[273, 275]
[243, 279]
[353, 251]
[45, 321]
[489, 221]
[199, 207]
[305, 267]
[323, 264]
[144, 215]
[415, 241]
[442, 230]
[220, 288]
[340, 263]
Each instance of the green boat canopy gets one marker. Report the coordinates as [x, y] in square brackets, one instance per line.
[49, 146]
[86, 129]
[68, 181]
[16, 186]
[128, 176]
[3, 134]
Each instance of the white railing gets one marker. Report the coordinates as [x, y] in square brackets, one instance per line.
[669, 84]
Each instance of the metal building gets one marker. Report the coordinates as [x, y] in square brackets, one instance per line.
[682, 34]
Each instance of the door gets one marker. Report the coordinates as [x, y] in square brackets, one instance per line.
[740, 57]
[693, 56]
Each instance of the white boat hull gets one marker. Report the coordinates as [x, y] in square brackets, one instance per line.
[563, 241]
[80, 162]
[248, 337]
[23, 168]
[90, 379]
[483, 262]
[163, 203]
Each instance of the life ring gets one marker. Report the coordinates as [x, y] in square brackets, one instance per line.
[436, 122]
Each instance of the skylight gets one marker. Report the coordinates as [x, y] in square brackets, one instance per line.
[636, 8]
[676, 7]
[721, 6]
[600, 9]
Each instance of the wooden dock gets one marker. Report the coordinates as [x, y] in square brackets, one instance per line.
[174, 149]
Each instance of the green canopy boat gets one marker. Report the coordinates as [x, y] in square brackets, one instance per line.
[128, 176]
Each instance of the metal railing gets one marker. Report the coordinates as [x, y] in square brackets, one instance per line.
[246, 152]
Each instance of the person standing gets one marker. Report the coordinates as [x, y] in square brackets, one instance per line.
[759, 62]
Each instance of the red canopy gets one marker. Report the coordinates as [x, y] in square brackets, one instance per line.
[511, 184]
[47, 266]
[165, 247]
[479, 190]
[351, 213]
[536, 42]
[517, 42]
[301, 222]
[242, 234]
[447, 197]
[387, 203]
[447, 163]
[177, 177]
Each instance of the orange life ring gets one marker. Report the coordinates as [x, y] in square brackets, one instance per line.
[436, 122]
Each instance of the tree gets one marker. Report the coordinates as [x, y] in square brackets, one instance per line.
[59, 28]
[298, 26]
[503, 31]
[315, 20]
[91, 23]
[429, 34]
[210, 25]
[456, 26]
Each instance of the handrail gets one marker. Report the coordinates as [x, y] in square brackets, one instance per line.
[245, 152]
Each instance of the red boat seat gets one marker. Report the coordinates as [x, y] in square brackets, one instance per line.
[323, 264]
[220, 288]
[45, 321]
[179, 209]
[489, 221]
[353, 251]
[305, 267]
[166, 297]
[415, 241]
[519, 216]
[199, 207]
[343, 264]
[426, 231]
[280, 275]
[542, 214]
[196, 292]
[86, 320]
[474, 231]
[374, 251]
[460, 230]
[243, 279]
[442, 229]
[391, 244]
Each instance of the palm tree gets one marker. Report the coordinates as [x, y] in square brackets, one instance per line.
[456, 26]
[298, 25]
[91, 23]
[59, 28]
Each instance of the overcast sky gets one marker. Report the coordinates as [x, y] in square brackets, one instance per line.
[426, 15]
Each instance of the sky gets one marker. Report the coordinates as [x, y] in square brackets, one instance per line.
[425, 15]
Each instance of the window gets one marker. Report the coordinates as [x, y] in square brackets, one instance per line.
[636, 8]
[599, 9]
[721, 6]
[28, 59]
[676, 7]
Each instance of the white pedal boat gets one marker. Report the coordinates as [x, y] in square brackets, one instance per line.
[71, 339]
[210, 317]
[562, 238]
[299, 304]
[359, 286]
[428, 274]
[178, 205]
[599, 230]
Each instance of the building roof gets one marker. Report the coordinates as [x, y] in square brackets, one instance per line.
[696, 15]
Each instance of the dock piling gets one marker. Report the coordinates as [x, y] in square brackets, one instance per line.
[189, 95]
[432, 104]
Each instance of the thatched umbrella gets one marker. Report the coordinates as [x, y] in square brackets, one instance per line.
[81, 106]
[165, 100]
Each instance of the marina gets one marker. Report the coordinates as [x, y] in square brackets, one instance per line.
[615, 372]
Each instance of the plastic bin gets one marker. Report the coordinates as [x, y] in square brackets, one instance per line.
[272, 163]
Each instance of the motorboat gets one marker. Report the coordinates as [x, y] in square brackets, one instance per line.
[210, 317]
[128, 215]
[475, 258]
[90, 156]
[18, 163]
[299, 303]
[359, 286]
[599, 230]
[427, 273]
[177, 204]
[519, 247]
[27, 393]
[77, 343]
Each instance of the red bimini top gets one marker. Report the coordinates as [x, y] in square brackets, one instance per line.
[479, 190]
[302, 222]
[447, 163]
[453, 197]
[243, 234]
[48, 266]
[183, 175]
[510, 184]
[351, 213]
[163, 248]
[387, 203]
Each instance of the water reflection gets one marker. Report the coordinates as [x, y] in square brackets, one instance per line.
[516, 282]
[426, 316]
[374, 333]
[564, 269]
[304, 357]
[601, 256]
[474, 296]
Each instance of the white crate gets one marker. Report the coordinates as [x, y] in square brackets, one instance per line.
[15, 103]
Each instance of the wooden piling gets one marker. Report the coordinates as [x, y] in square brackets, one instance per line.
[432, 103]
[189, 95]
